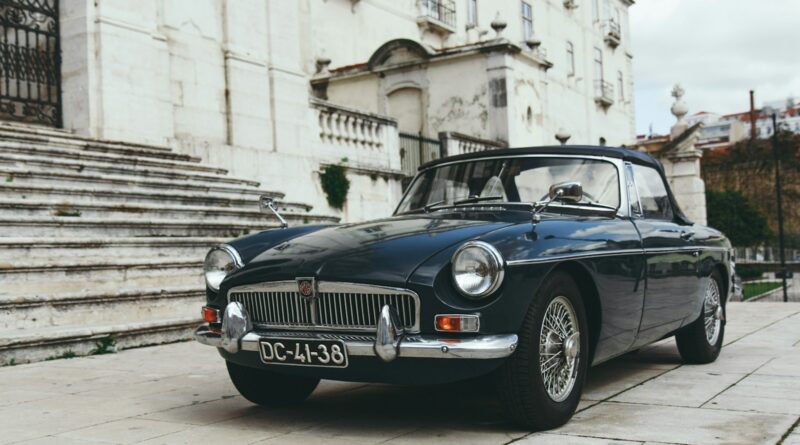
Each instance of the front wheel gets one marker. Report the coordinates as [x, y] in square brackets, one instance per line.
[268, 388]
[701, 341]
[541, 384]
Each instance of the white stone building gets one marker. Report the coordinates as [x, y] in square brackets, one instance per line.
[173, 116]
[231, 82]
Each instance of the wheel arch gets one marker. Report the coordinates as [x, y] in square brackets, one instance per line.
[591, 299]
[726, 283]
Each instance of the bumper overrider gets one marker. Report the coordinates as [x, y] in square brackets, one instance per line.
[390, 342]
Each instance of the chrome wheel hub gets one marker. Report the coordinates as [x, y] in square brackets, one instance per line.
[559, 348]
[712, 313]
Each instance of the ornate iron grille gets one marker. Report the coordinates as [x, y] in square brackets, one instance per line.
[30, 62]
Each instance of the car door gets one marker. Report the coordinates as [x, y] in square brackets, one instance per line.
[670, 260]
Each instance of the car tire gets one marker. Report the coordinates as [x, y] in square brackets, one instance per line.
[696, 344]
[267, 388]
[522, 384]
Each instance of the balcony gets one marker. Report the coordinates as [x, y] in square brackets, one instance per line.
[438, 16]
[612, 33]
[603, 93]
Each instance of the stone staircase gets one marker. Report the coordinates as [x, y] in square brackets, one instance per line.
[102, 239]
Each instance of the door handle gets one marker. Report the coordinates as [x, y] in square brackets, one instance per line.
[685, 234]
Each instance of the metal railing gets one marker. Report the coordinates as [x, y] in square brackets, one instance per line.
[416, 150]
[441, 10]
[30, 62]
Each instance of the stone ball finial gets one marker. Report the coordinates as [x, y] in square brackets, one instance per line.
[563, 135]
[498, 24]
[679, 108]
[323, 64]
[533, 42]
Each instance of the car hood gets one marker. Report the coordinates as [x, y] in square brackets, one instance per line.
[384, 251]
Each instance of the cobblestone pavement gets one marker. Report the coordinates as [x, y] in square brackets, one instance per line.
[180, 393]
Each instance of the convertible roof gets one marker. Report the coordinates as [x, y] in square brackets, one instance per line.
[585, 150]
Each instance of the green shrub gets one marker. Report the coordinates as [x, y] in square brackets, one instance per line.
[335, 185]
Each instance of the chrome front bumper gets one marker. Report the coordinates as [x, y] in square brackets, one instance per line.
[390, 342]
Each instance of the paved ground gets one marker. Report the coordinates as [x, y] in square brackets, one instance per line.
[180, 394]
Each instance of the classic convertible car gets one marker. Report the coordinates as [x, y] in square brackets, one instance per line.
[527, 265]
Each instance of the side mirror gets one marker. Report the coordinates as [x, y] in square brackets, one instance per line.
[268, 204]
[571, 191]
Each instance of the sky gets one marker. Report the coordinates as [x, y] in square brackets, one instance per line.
[717, 50]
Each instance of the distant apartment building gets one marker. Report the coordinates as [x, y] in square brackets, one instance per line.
[724, 130]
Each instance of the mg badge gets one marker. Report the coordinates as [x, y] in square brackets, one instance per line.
[306, 287]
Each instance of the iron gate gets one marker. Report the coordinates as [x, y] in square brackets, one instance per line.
[416, 150]
[30, 62]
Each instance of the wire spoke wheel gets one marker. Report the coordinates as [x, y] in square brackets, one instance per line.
[712, 312]
[559, 348]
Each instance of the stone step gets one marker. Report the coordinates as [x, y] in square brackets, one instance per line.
[101, 194]
[79, 209]
[51, 276]
[123, 149]
[29, 345]
[32, 176]
[99, 307]
[77, 154]
[57, 137]
[62, 249]
[67, 165]
[149, 227]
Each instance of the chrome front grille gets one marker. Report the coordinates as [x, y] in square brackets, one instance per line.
[338, 306]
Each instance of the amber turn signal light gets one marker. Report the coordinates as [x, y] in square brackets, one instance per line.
[210, 314]
[458, 323]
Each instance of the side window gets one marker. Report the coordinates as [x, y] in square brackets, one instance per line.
[652, 193]
[633, 195]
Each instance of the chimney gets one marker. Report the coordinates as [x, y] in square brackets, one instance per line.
[752, 115]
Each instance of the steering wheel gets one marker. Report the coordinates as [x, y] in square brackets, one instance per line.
[585, 194]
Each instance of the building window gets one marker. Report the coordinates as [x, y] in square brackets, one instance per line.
[596, 10]
[598, 64]
[570, 59]
[472, 13]
[527, 21]
[621, 86]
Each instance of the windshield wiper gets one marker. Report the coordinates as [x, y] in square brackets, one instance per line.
[429, 207]
[476, 199]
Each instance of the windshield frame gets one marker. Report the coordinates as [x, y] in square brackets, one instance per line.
[622, 210]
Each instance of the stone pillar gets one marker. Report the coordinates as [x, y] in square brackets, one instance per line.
[682, 163]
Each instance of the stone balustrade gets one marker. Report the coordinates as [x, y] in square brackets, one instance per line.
[341, 125]
[457, 143]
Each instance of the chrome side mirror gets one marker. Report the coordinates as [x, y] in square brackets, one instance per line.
[268, 204]
[571, 191]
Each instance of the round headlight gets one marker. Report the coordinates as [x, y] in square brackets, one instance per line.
[477, 269]
[220, 261]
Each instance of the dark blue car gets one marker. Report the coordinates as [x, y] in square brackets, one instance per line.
[528, 265]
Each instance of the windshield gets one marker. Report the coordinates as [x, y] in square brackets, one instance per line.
[523, 179]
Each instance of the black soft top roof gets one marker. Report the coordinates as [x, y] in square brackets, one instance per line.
[580, 150]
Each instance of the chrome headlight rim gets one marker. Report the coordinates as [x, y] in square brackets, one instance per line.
[234, 256]
[499, 268]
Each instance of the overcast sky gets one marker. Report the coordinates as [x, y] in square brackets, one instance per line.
[718, 50]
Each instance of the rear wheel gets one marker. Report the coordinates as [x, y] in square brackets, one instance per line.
[701, 341]
[268, 388]
[541, 384]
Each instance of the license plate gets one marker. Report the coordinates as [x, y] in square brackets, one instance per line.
[303, 352]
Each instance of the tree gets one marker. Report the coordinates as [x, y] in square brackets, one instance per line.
[743, 224]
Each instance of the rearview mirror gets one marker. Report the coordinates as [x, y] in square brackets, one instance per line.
[571, 191]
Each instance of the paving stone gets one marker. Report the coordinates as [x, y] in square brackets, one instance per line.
[655, 423]
[125, 431]
[684, 386]
[751, 394]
